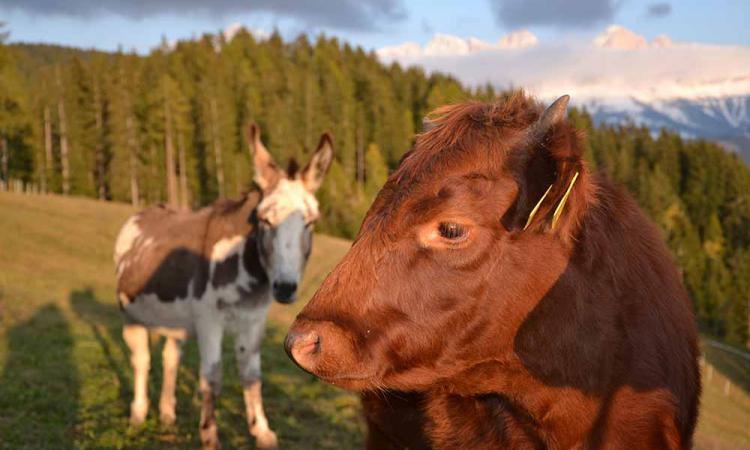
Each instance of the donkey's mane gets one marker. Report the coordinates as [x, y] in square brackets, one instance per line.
[292, 168]
[228, 206]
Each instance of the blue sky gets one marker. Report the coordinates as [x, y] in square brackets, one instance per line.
[140, 24]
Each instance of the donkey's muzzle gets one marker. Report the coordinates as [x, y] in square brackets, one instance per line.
[284, 291]
[303, 347]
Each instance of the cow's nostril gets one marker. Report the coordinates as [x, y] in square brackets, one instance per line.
[302, 347]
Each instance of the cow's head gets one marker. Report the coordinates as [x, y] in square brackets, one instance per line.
[463, 241]
[287, 212]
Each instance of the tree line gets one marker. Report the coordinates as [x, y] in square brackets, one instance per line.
[170, 127]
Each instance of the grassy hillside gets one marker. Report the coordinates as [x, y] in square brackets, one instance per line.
[65, 380]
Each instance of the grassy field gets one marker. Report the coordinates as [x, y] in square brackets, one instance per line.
[65, 380]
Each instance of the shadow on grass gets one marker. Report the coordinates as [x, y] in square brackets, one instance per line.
[98, 316]
[39, 385]
[104, 322]
[304, 412]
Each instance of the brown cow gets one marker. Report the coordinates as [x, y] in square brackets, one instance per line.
[499, 295]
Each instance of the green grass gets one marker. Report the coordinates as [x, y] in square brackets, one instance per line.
[65, 380]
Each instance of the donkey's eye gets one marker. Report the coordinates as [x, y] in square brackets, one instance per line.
[451, 230]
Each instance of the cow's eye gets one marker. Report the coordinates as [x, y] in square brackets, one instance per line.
[451, 230]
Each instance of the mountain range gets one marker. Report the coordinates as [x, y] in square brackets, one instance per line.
[699, 90]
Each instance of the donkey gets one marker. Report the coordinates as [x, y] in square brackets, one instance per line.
[203, 272]
[499, 295]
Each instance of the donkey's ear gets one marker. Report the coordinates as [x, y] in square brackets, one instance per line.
[267, 173]
[315, 170]
[545, 167]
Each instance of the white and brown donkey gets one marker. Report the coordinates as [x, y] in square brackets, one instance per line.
[203, 272]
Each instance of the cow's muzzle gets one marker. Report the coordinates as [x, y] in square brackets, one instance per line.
[303, 347]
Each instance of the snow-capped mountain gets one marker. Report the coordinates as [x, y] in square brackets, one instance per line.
[723, 119]
[445, 44]
[518, 39]
[697, 89]
[449, 45]
[620, 38]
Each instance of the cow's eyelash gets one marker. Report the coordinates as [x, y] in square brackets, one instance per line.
[452, 231]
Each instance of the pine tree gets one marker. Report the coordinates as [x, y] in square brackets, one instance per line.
[171, 125]
[16, 159]
[738, 317]
[377, 170]
[125, 165]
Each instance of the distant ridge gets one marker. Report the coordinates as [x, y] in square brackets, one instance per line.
[699, 90]
[448, 45]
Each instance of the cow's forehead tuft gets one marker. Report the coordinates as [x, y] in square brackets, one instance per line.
[288, 196]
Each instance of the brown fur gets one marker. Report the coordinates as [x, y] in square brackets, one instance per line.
[182, 246]
[578, 337]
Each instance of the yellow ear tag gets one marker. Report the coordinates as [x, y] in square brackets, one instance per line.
[559, 209]
[536, 208]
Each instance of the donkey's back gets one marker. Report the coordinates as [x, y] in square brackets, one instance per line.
[160, 265]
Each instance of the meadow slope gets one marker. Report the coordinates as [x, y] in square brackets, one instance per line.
[65, 380]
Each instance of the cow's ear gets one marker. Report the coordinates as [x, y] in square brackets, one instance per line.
[267, 172]
[547, 166]
[315, 170]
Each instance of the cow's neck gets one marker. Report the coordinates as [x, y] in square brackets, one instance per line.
[541, 369]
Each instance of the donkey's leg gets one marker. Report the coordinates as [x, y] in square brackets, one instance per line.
[170, 365]
[209, 342]
[136, 337]
[247, 351]
[265, 438]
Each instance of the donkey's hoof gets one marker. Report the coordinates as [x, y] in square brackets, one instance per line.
[136, 421]
[138, 412]
[210, 437]
[167, 415]
[210, 444]
[167, 418]
[266, 440]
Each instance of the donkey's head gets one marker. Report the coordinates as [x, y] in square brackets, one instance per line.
[287, 212]
[465, 238]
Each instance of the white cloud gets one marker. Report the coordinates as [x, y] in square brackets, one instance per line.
[619, 64]
[231, 31]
